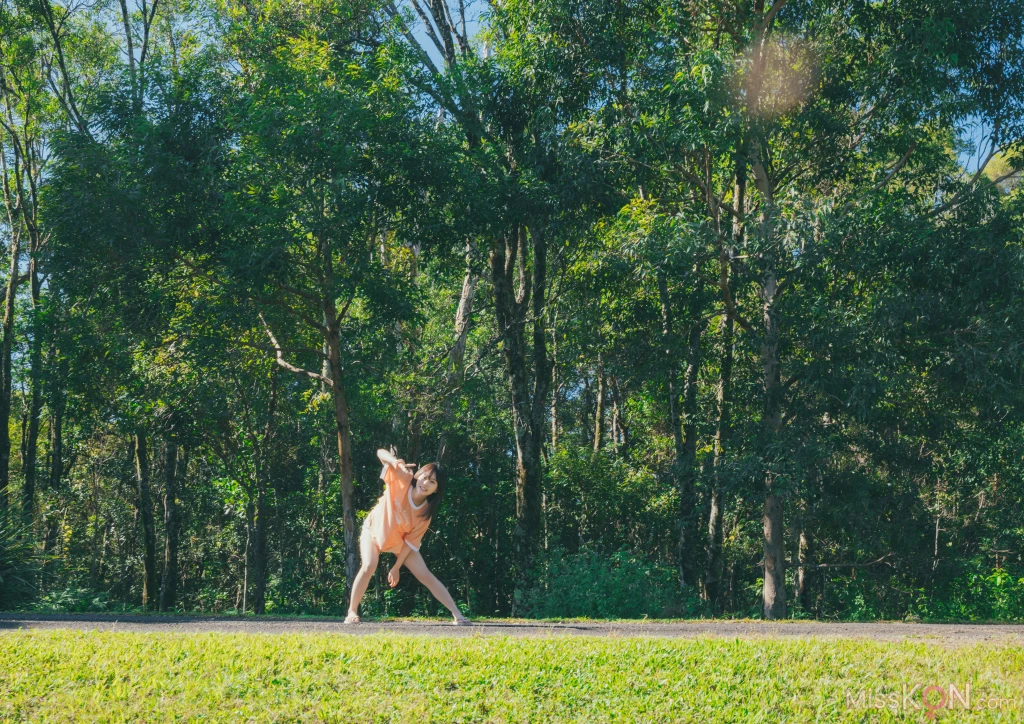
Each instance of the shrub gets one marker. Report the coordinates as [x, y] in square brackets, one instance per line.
[979, 595]
[591, 585]
[76, 599]
[19, 561]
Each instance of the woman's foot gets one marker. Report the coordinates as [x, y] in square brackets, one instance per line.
[352, 618]
[461, 621]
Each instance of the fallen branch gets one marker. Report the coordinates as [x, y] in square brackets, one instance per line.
[846, 565]
[797, 564]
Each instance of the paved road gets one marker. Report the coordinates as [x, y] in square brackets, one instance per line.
[938, 633]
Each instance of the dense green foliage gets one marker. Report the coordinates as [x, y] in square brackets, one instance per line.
[19, 561]
[707, 308]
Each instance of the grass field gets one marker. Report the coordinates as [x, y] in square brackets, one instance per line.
[114, 677]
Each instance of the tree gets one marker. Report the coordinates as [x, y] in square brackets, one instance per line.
[769, 98]
[327, 175]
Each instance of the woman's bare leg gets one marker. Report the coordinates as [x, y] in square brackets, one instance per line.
[418, 567]
[369, 555]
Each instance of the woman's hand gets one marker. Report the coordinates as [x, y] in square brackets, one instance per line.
[393, 576]
[405, 467]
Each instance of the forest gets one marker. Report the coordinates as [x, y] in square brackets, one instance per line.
[708, 308]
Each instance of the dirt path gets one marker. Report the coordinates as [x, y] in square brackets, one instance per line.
[937, 633]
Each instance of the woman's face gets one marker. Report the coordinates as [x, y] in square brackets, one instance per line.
[427, 484]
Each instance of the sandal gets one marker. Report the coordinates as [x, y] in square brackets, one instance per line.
[352, 618]
[462, 621]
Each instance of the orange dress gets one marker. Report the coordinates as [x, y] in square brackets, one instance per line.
[395, 521]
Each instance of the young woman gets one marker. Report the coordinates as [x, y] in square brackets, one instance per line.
[397, 524]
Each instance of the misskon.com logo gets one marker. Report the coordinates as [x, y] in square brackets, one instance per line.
[931, 699]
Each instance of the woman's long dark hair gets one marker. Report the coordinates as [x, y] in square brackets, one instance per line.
[434, 499]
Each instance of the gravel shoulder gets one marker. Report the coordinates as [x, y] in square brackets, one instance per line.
[961, 633]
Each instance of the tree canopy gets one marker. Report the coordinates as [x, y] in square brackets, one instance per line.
[707, 308]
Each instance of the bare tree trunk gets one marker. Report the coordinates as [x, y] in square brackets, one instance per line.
[667, 344]
[57, 410]
[615, 420]
[774, 592]
[688, 537]
[145, 507]
[528, 411]
[774, 606]
[713, 575]
[56, 472]
[36, 402]
[554, 382]
[56, 465]
[263, 471]
[619, 426]
[324, 473]
[6, 345]
[247, 557]
[259, 553]
[802, 573]
[344, 436]
[599, 407]
[415, 432]
[542, 372]
[325, 470]
[169, 581]
[683, 467]
[456, 359]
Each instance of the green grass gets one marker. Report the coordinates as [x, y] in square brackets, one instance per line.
[111, 677]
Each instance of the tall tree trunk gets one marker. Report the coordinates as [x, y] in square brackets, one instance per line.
[56, 471]
[36, 402]
[344, 437]
[713, 575]
[684, 463]
[688, 545]
[619, 427]
[554, 382]
[262, 470]
[670, 366]
[599, 406]
[802, 573]
[6, 345]
[541, 376]
[415, 431]
[259, 552]
[57, 410]
[528, 411]
[325, 470]
[247, 557]
[774, 592]
[169, 581]
[145, 507]
[456, 358]
[615, 418]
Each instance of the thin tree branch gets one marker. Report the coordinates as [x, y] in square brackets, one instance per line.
[885, 180]
[772, 12]
[970, 188]
[279, 356]
[846, 565]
